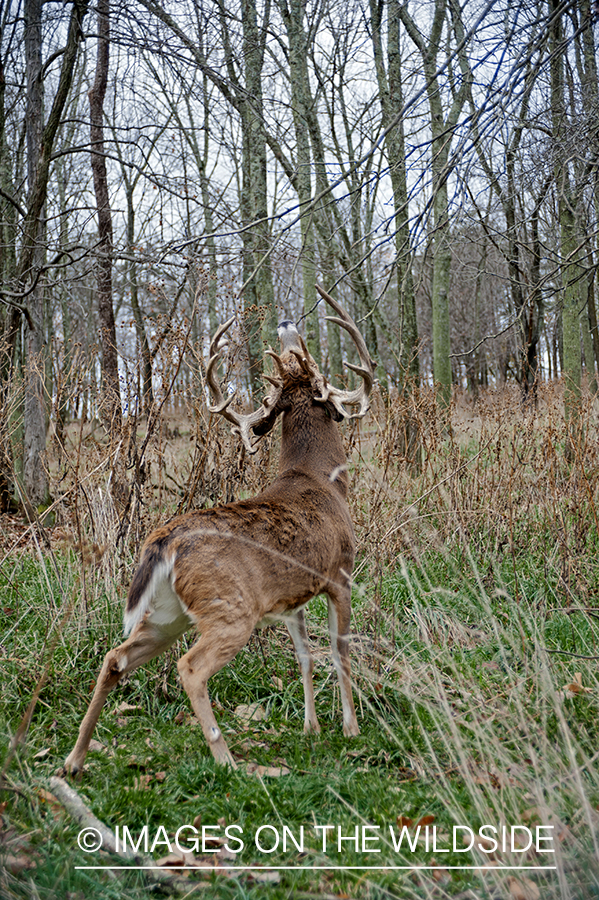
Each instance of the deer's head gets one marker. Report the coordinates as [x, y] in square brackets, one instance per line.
[296, 373]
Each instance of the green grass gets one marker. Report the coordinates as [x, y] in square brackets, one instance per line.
[461, 709]
[474, 609]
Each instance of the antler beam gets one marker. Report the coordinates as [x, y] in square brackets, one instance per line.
[366, 371]
[242, 422]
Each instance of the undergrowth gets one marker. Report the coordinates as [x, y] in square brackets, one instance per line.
[474, 653]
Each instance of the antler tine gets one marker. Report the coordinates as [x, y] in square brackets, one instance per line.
[216, 348]
[215, 344]
[366, 371]
[302, 360]
[277, 361]
[242, 423]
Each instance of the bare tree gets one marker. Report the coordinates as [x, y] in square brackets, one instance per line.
[111, 401]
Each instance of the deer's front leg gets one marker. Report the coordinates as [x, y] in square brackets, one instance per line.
[296, 625]
[339, 623]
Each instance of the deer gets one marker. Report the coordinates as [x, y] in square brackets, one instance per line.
[232, 568]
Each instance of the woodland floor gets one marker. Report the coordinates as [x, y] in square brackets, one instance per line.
[474, 649]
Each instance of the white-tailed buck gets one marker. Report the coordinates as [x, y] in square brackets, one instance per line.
[228, 569]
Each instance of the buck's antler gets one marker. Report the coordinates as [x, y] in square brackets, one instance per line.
[242, 422]
[358, 397]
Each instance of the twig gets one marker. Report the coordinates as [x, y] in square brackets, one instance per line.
[566, 653]
[76, 808]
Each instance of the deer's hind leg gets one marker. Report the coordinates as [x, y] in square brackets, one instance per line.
[220, 642]
[144, 643]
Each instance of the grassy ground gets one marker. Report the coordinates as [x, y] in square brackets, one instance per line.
[475, 661]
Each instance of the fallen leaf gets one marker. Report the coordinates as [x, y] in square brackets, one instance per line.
[523, 889]
[160, 776]
[576, 687]
[265, 877]
[425, 820]
[485, 844]
[439, 873]
[125, 708]
[96, 745]
[250, 744]
[170, 861]
[278, 682]
[250, 712]
[140, 783]
[270, 771]
[51, 800]
[16, 864]
[42, 754]
[184, 717]
[404, 822]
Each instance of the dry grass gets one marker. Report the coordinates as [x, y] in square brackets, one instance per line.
[476, 585]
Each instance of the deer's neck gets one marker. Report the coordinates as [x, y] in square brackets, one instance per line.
[311, 443]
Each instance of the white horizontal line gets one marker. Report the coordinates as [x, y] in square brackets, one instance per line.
[319, 868]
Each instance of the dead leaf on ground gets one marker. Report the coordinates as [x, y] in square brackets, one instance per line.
[404, 822]
[265, 877]
[17, 864]
[183, 717]
[523, 889]
[42, 754]
[140, 783]
[96, 745]
[250, 744]
[440, 874]
[134, 762]
[425, 820]
[270, 771]
[51, 800]
[576, 686]
[250, 712]
[173, 860]
[125, 709]
[278, 682]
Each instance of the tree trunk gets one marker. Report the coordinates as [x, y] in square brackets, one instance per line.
[8, 236]
[259, 292]
[142, 338]
[569, 234]
[442, 126]
[390, 88]
[110, 411]
[293, 18]
[35, 472]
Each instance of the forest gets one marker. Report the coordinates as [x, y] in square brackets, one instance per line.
[434, 165]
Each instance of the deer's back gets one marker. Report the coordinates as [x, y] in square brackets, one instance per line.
[276, 550]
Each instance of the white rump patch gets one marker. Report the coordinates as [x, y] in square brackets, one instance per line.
[160, 604]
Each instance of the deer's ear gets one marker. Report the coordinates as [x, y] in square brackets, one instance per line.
[267, 424]
[331, 409]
